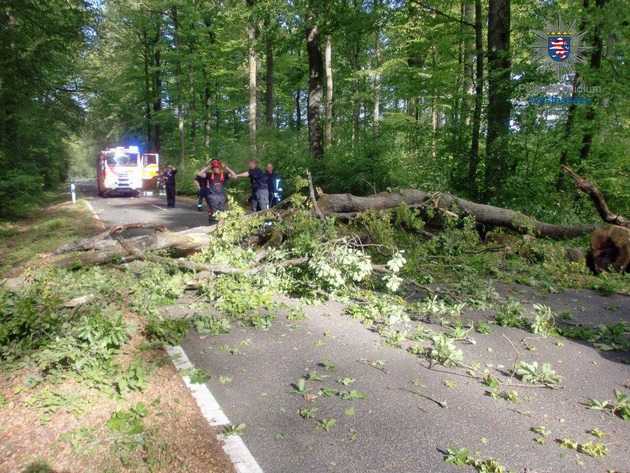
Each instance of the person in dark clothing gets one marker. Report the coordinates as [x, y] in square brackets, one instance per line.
[168, 178]
[201, 181]
[275, 186]
[217, 177]
[260, 186]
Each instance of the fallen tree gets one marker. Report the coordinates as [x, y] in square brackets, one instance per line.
[110, 246]
[348, 205]
[610, 246]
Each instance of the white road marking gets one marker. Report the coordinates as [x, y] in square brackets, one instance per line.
[233, 445]
[240, 455]
[158, 207]
[89, 204]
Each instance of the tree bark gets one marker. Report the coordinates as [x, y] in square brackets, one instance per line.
[376, 112]
[157, 90]
[178, 86]
[298, 110]
[476, 120]
[598, 199]
[104, 249]
[344, 204]
[595, 63]
[253, 61]
[499, 105]
[269, 80]
[146, 57]
[315, 88]
[328, 134]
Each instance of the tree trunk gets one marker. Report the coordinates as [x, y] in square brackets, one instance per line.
[610, 246]
[356, 103]
[178, 87]
[315, 88]
[595, 63]
[476, 120]
[269, 80]
[157, 91]
[344, 204]
[206, 114]
[328, 135]
[298, 110]
[468, 54]
[146, 56]
[499, 105]
[376, 112]
[253, 61]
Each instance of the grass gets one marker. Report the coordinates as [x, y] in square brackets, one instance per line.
[94, 377]
[42, 232]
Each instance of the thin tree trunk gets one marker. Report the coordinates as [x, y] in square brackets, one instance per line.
[206, 113]
[434, 111]
[468, 58]
[298, 110]
[178, 86]
[376, 112]
[146, 55]
[328, 134]
[315, 89]
[499, 105]
[356, 104]
[269, 80]
[476, 120]
[157, 91]
[253, 62]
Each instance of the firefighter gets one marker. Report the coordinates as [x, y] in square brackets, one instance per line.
[260, 186]
[168, 178]
[275, 186]
[217, 177]
[201, 181]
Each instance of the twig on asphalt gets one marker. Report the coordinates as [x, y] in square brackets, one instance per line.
[442, 404]
[516, 358]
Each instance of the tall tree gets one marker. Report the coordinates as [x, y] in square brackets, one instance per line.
[595, 65]
[156, 66]
[499, 93]
[476, 119]
[178, 85]
[328, 135]
[315, 86]
[253, 69]
[268, 78]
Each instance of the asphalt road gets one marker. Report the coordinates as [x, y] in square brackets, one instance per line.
[410, 414]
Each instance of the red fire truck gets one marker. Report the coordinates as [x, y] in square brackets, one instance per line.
[125, 171]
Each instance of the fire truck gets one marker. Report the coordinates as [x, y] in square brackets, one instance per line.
[125, 171]
[150, 171]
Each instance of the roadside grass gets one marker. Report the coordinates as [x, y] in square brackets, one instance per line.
[42, 232]
[89, 388]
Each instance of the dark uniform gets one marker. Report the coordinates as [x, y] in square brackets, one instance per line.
[275, 188]
[260, 189]
[168, 177]
[216, 198]
[202, 193]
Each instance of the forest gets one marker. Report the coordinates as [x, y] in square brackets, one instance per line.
[444, 285]
[369, 95]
